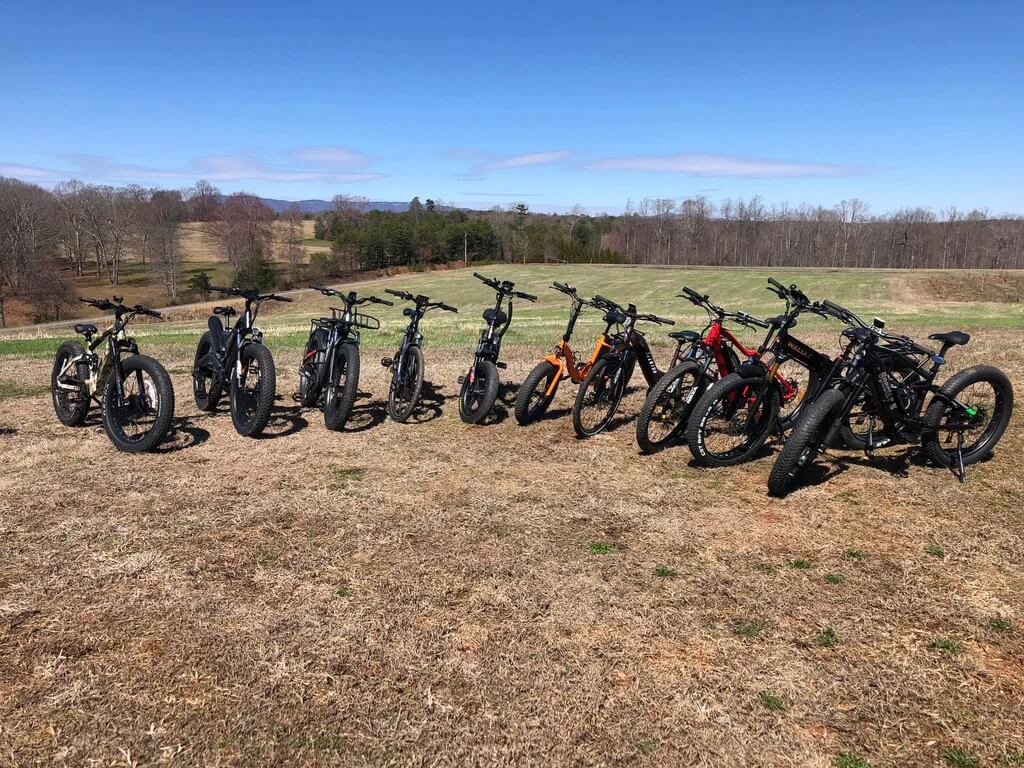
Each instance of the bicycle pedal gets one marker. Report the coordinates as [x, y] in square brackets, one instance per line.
[503, 366]
[461, 379]
[296, 397]
[387, 362]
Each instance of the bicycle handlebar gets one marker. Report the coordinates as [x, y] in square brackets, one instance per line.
[250, 294]
[655, 319]
[119, 308]
[522, 295]
[746, 319]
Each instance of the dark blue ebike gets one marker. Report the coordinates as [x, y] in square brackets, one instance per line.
[237, 359]
[407, 364]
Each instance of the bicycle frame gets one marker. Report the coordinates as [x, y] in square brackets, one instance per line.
[117, 342]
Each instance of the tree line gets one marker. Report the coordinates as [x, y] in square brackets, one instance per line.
[50, 236]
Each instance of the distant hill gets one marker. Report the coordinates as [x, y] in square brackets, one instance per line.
[319, 206]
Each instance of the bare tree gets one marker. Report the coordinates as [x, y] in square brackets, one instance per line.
[244, 228]
[292, 217]
[160, 222]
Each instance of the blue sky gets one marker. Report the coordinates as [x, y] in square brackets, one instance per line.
[555, 104]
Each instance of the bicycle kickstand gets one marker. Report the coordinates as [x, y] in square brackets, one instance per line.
[958, 466]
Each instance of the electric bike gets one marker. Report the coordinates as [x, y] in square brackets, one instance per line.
[480, 385]
[599, 396]
[735, 416]
[539, 388]
[238, 360]
[961, 423]
[407, 365]
[329, 370]
[707, 357]
[133, 390]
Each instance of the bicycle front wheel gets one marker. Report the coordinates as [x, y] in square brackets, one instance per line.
[599, 397]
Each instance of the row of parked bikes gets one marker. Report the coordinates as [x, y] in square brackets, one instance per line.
[720, 397]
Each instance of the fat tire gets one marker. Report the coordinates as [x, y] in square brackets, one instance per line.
[695, 430]
[73, 417]
[338, 409]
[816, 418]
[401, 416]
[542, 372]
[490, 394]
[936, 408]
[264, 398]
[165, 408]
[643, 421]
[206, 399]
[581, 395]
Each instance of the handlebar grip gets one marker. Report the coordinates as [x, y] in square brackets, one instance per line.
[776, 283]
[527, 296]
[382, 301]
[449, 308]
[282, 298]
[833, 306]
[478, 276]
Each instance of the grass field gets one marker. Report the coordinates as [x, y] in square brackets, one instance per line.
[437, 594]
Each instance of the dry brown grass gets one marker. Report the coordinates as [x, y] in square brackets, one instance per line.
[429, 594]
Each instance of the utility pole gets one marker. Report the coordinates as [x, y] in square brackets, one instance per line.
[465, 249]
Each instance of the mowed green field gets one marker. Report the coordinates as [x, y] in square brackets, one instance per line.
[915, 301]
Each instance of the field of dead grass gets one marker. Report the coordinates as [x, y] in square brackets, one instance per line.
[438, 594]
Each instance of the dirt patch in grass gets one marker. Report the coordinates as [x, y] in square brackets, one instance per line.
[432, 593]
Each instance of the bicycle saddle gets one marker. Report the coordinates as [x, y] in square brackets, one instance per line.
[951, 338]
[778, 321]
[226, 311]
[685, 335]
[86, 329]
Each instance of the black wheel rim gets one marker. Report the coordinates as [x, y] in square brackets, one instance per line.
[405, 392]
[338, 384]
[538, 398]
[737, 420]
[249, 391]
[672, 409]
[974, 429]
[135, 415]
[71, 400]
[601, 399]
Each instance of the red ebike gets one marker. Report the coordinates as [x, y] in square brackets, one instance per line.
[713, 354]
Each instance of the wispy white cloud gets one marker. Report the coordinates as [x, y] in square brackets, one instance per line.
[326, 164]
[527, 160]
[486, 162]
[332, 157]
[28, 172]
[707, 165]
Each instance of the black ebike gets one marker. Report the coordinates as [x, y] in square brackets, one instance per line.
[407, 364]
[601, 392]
[480, 385]
[134, 391]
[329, 371]
[888, 377]
[236, 359]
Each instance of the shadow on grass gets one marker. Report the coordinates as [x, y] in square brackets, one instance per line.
[366, 415]
[182, 435]
[429, 407]
[284, 421]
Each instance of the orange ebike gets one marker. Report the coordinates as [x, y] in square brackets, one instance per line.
[537, 392]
